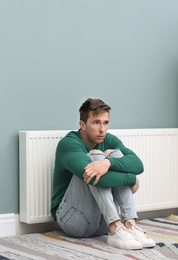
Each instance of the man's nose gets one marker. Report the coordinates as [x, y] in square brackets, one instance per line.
[102, 127]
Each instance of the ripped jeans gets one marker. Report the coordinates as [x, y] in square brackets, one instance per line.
[87, 210]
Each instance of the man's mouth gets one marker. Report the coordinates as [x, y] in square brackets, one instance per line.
[100, 136]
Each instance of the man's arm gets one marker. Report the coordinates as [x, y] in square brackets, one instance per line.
[130, 162]
[74, 159]
[127, 161]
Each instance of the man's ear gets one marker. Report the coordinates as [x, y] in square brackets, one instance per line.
[82, 125]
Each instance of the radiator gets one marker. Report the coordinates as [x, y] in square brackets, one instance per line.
[157, 148]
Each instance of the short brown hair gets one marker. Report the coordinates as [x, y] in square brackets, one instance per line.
[92, 105]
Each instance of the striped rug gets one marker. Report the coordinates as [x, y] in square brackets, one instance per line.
[55, 245]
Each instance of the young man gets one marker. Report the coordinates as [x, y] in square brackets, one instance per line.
[89, 190]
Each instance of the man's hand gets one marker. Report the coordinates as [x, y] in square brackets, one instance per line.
[136, 186]
[96, 168]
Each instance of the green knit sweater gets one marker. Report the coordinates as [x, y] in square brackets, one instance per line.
[71, 158]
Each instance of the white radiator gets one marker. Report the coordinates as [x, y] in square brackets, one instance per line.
[158, 149]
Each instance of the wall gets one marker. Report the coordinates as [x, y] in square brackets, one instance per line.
[55, 54]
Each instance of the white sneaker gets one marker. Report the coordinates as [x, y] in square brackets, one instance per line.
[140, 236]
[123, 239]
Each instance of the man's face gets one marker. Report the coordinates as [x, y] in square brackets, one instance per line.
[94, 130]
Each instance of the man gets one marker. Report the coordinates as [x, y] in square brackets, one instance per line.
[88, 192]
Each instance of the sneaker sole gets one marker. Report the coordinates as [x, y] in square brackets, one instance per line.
[131, 248]
[149, 246]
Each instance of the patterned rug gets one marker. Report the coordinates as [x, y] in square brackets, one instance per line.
[55, 245]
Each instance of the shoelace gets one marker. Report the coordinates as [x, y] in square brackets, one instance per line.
[123, 233]
[141, 232]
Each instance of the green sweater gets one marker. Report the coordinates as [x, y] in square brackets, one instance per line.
[71, 158]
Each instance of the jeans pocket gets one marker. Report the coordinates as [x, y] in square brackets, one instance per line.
[75, 223]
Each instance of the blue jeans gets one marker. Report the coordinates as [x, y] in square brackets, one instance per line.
[87, 210]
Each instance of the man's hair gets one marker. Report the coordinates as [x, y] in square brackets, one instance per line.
[94, 106]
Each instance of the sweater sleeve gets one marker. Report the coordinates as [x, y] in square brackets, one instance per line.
[130, 162]
[72, 157]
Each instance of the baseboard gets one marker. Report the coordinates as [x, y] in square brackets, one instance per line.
[24, 228]
[7, 225]
[157, 213]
